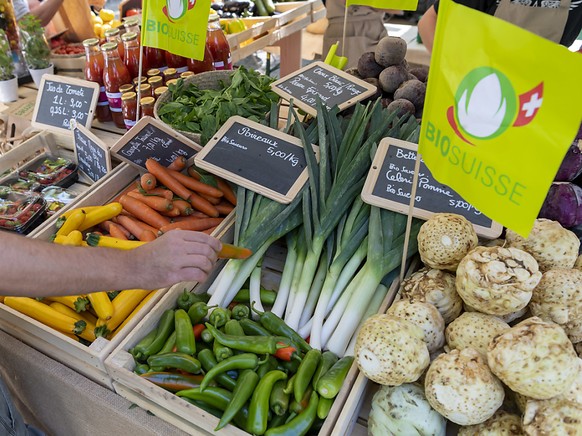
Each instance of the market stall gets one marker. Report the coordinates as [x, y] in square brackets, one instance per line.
[354, 293]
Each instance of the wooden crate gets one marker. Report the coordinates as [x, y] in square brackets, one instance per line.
[89, 361]
[168, 406]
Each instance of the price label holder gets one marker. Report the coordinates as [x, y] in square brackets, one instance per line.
[389, 184]
[257, 157]
[152, 138]
[331, 85]
[92, 155]
[61, 99]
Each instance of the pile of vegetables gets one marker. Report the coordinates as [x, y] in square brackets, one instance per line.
[507, 364]
[188, 199]
[258, 375]
[204, 111]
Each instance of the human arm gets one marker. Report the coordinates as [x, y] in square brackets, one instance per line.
[427, 26]
[44, 11]
[36, 268]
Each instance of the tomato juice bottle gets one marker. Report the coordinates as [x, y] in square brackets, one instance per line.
[178, 62]
[112, 35]
[131, 59]
[115, 74]
[206, 64]
[94, 64]
[129, 108]
[155, 58]
[218, 44]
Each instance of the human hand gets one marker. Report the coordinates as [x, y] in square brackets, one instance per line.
[177, 256]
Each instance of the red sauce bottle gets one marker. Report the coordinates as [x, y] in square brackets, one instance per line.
[131, 59]
[115, 74]
[155, 58]
[218, 44]
[178, 62]
[94, 73]
[207, 64]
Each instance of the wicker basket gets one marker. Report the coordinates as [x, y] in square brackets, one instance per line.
[206, 80]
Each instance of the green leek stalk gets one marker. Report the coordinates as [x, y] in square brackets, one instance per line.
[255, 290]
[287, 275]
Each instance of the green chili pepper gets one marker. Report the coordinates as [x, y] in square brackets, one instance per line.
[328, 359]
[220, 351]
[259, 407]
[202, 405]
[137, 351]
[289, 388]
[277, 326]
[165, 329]
[244, 296]
[269, 365]
[220, 400]
[206, 336]
[279, 400]
[233, 328]
[197, 312]
[169, 345]
[173, 382]
[299, 406]
[290, 366]
[290, 417]
[182, 361]
[331, 382]
[208, 362]
[219, 317]
[213, 396]
[305, 373]
[185, 340]
[253, 329]
[323, 407]
[243, 390]
[238, 362]
[250, 344]
[141, 368]
[299, 425]
[187, 299]
[240, 311]
[277, 420]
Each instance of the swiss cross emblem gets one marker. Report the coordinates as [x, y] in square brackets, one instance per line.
[529, 104]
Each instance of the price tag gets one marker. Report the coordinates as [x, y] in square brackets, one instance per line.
[93, 158]
[152, 138]
[257, 157]
[389, 185]
[62, 99]
[332, 86]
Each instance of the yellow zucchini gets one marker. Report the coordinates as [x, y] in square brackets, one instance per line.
[45, 314]
[75, 239]
[104, 213]
[107, 241]
[60, 307]
[78, 303]
[73, 222]
[123, 305]
[85, 209]
[133, 312]
[101, 304]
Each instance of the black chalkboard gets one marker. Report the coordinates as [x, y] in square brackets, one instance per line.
[150, 138]
[319, 80]
[62, 99]
[257, 157]
[93, 157]
[389, 185]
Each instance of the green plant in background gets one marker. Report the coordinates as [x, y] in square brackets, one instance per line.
[35, 47]
[6, 62]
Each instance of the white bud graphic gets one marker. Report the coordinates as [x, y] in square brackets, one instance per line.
[176, 8]
[485, 111]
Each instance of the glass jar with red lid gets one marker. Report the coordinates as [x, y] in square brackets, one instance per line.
[94, 65]
[115, 74]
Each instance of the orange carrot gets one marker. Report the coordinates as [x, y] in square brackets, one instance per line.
[130, 188]
[195, 214]
[116, 231]
[195, 185]
[193, 172]
[203, 205]
[161, 192]
[175, 212]
[106, 225]
[143, 212]
[160, 204]
[131, 225]
[210, 199]
[210, 230]
[226, 189]
[197, 224]
[163, 175]
[148, 182]
[224, 207]
[148, 236]
[183, 206]
[178, 164]
[229, 251]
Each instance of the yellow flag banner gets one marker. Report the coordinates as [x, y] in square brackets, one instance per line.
[502, 107]
[178, 26]
[403, 5]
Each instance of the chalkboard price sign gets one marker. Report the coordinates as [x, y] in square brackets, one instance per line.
[62, 99]
[259, 158]
[93, 158]
[319, 80]
[389, 185]
[152, 138]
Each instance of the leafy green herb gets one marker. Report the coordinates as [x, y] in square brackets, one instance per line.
[200, 111]
[34, 44]
[6, 62]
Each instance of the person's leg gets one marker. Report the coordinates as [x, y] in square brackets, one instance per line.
[11, 422]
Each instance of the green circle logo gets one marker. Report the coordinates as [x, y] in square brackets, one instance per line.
[486, 103]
